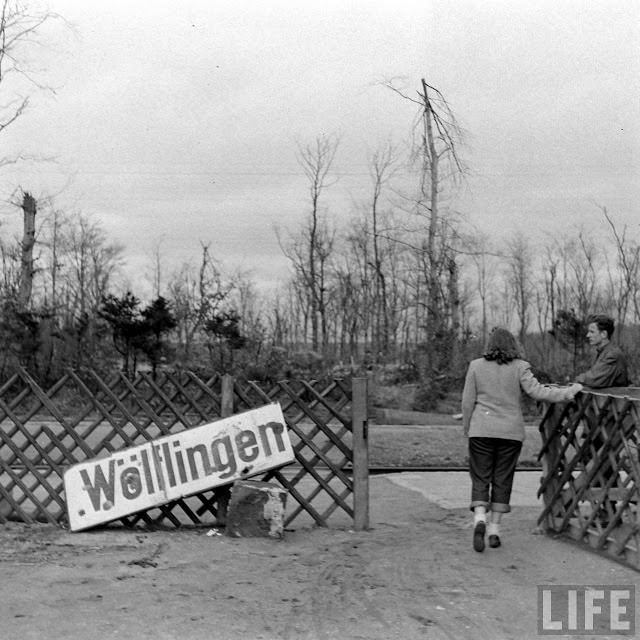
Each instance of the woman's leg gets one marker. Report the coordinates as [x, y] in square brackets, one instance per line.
[507, 453]
[493, 530]
[480, 470]
[506, 458]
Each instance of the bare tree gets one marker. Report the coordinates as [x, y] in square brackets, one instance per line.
[439, 166]
[310, 251]
[438, 145]
[156, 274]
[91, 261]
[53, 265]
[570, 275]
[484, 260]
[353, 268]
[584, 265]
[623, 280]
[88, 263]
[348, 310]
[20, 29]
[382, 168]
[519, 273]
[196, 294]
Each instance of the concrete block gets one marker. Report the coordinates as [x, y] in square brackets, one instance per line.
[256, 509]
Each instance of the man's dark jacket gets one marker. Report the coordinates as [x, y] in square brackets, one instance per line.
[609, 369]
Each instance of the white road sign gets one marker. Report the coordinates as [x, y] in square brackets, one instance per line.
[175, 466]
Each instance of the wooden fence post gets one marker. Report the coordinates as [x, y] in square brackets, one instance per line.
[360, 427]
[226, 396]
[223, 494]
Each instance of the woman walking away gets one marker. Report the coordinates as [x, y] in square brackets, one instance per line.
[493, 422]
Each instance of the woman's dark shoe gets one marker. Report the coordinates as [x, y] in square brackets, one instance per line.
[494, 541]
[478, 535]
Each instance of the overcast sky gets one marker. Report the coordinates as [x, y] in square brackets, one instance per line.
[179, 120]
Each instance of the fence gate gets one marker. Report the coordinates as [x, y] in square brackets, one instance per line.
[591, 471]
[83, 416]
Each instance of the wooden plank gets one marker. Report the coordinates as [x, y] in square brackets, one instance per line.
[222, 494]
[330, 407]
[288, 401]
[337, 465]
[159, 393]
[205, 389]
[226, 399]
[16, 401]
[116, 428]
[145, 407]
[54, 411]
[128, 416]
[187, 398]
[323, 483]
[320, 455]
[318, 421]
[297, 496]
[17, 481]
[6, 492]
[359, 420]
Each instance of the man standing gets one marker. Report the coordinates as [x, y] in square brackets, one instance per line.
[609, 368]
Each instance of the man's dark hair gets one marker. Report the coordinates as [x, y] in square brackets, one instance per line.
[502, 346]
[603, 322]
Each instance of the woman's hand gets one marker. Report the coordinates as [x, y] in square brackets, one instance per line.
[574, 389]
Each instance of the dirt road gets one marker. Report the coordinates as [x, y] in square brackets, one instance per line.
[412, 575]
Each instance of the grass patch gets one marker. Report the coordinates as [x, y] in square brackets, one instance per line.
[434, 446]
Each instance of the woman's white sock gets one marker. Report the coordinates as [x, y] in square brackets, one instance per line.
[479, 516]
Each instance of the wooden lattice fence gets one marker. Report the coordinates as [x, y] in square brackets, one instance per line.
[83, 416]
[591, 471]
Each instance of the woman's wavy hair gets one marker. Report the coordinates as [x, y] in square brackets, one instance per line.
[502, 347]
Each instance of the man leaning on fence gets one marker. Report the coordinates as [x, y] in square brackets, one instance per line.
[609, 368]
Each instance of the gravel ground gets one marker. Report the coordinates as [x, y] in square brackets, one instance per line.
[412, 576]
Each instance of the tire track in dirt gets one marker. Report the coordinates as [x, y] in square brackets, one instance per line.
[382, 587]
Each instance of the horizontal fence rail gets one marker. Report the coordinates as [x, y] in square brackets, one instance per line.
[591, 471]
[83, 416]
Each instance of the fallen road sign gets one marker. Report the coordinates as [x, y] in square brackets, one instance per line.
[175, 466]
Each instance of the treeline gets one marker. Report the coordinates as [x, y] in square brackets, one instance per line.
[377, 293]
[403, 284]
[411, 280]
[63, 304]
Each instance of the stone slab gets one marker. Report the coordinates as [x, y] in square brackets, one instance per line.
[256, 509]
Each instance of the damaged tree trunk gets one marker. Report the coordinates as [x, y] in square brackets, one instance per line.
[29, 208]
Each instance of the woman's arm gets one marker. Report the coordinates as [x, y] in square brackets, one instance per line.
[533, 388]
[468, 398]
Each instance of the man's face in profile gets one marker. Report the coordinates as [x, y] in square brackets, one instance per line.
[596, 337]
